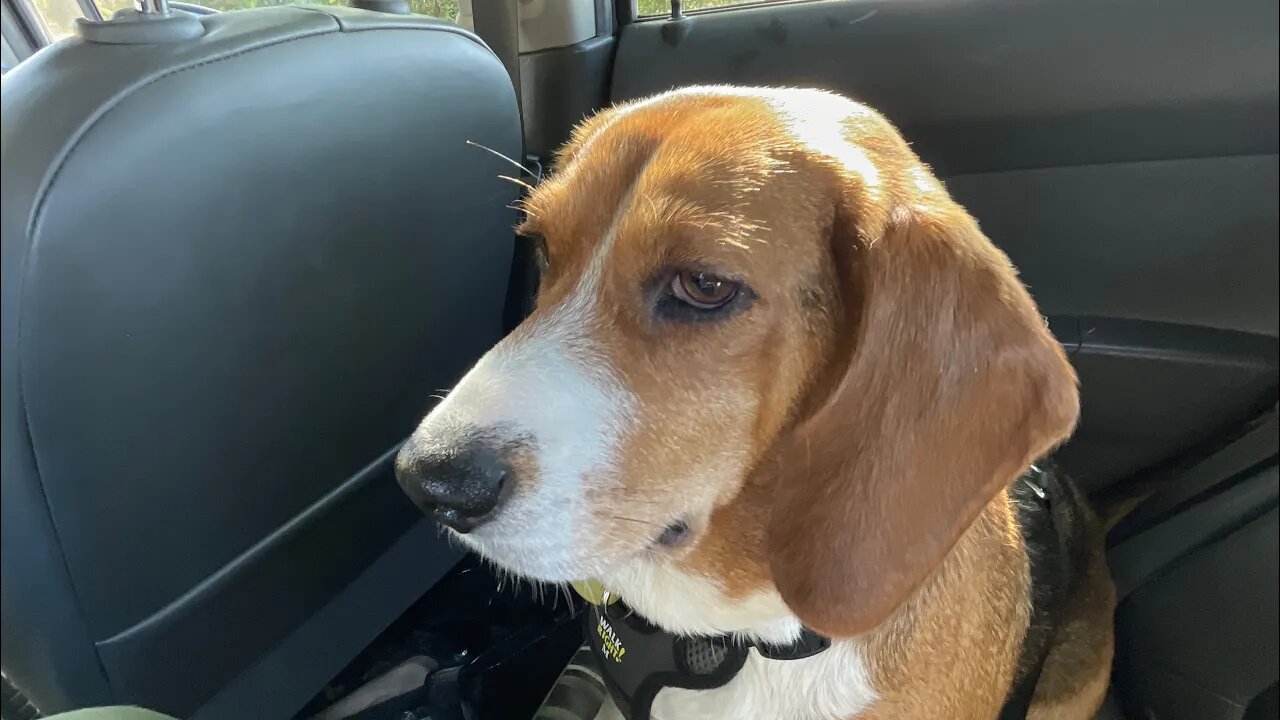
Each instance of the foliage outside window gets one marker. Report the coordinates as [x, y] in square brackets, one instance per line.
[663, 7]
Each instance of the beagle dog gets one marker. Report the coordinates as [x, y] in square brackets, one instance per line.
[777, 381]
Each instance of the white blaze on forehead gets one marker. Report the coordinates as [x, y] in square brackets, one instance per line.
[550, 386]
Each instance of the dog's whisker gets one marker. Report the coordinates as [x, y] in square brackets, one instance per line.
[634, 500]
[520, 206]
[517, 181]
[491, 151]
[634, 520]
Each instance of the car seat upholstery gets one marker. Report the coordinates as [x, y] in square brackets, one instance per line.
[236, 267]
[1196, 572]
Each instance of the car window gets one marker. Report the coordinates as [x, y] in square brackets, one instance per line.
[651, 8]
[57, 18]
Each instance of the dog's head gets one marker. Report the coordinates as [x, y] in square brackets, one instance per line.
[769, 350]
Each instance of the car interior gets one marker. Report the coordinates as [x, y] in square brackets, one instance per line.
[245, 250]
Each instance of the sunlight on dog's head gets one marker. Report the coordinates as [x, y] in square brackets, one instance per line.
[684, 307]
[709, 310]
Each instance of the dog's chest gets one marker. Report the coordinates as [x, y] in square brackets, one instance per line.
[832, 685]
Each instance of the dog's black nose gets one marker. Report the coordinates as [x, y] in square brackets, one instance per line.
[461, 485]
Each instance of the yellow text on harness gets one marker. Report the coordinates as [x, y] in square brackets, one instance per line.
[610, 644]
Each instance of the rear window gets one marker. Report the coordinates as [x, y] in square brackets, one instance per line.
[662, 8]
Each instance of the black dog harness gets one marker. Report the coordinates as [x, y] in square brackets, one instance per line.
[1047, 510]
[638, 659]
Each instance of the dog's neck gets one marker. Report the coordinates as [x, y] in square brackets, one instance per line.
[976, 598]
[686, 603]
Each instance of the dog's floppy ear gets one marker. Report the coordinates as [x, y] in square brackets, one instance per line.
[949, 386]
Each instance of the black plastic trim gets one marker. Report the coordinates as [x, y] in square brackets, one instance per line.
[283, 578]
[561, 86]
[337, 632]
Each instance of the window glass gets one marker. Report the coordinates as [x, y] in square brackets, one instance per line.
[57, 17]
[109, 7]
[663, 7]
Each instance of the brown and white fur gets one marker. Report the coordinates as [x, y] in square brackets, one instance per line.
[840, 443]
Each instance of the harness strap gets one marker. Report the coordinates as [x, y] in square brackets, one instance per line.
[808, 644]
[1019, 703]
[1044, 486]
[637, 659]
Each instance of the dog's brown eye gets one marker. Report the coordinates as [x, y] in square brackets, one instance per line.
[703, 290]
